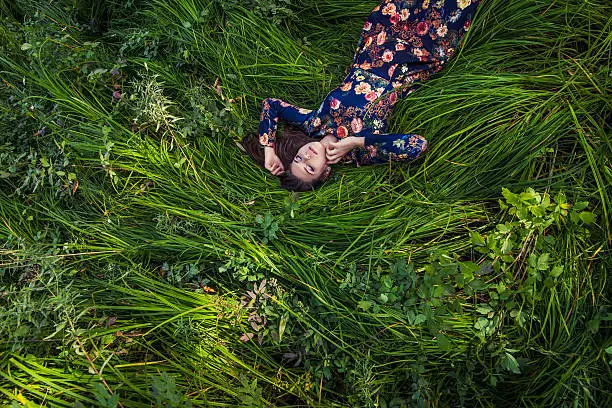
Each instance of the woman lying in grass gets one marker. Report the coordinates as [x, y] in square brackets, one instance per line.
[403, 42]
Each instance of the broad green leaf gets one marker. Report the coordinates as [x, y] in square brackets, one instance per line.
[556, 271]
[477, 239]
[581, 205]
[542, 264]
[484, 309]
[481, 323]
[420, 318]
[282, 325]
[443, 342]
[532, 260]
[507, 246]
[511, 364]
[587, 217]
[560, 198]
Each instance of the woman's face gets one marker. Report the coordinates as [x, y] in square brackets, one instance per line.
[310, 162]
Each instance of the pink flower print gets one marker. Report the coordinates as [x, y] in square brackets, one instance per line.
[342, 132]
[418, 52]
[405, 14]
[414, 141]
[370, 96]
[371, 150]
[396, 84]
[466, 25]
[442, 30]
[316, 122]
[365, 65]
[362, 88]
[382, 37]
[392, 98]
[347, 86]
[387, 56]
[400, 47]
[422, 28]
[284, 104]
[368, 42]
[392, 70]
[334, 103]
[389, 9]
[356, 125]
[423, 146]
[395, 18]
[367, 26]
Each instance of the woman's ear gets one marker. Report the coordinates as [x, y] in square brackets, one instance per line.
[326, 173]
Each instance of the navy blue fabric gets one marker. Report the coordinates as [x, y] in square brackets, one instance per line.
[402, 43]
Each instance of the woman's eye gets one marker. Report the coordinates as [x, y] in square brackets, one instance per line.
[310, 169]
[297, 159]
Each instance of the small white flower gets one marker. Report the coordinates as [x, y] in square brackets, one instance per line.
[400, 143]
[463, 3]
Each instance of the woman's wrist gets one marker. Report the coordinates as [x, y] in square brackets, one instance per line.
[358, 141]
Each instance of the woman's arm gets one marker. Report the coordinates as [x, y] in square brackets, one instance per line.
[386, 147]
[370, 148]
[275, 109]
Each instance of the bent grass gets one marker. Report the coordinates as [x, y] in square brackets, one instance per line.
[525, 104]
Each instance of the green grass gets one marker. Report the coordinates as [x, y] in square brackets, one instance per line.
[130, 231]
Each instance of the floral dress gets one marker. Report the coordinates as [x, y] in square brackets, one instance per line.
[402, 43]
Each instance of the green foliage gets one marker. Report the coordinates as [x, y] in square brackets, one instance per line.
[123, 196]
[275, 10]
[269, 226]
[242, 268]
[249, 393]
[152, 108]
[166, 394]
[104, 397]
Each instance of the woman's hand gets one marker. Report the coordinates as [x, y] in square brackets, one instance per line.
[272, 162]
[337, 150]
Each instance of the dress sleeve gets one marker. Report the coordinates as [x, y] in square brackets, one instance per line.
[386, 147]
[274, 109]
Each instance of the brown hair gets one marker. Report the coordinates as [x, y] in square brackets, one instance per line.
[287, 147]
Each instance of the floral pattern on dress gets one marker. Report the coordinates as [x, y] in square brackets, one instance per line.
[402, 43]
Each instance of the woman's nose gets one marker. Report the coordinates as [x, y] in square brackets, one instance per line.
[307, 155]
